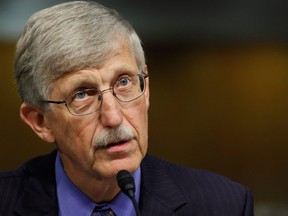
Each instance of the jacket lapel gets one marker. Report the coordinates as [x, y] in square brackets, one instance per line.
[159, 194]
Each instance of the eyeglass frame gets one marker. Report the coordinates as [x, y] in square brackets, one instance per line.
[144, 76]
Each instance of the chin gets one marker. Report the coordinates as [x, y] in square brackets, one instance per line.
[130, 165]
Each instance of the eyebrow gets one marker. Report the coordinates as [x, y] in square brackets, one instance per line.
[76, 80]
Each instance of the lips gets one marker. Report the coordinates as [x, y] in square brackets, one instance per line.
[116, 143]
[118, 148]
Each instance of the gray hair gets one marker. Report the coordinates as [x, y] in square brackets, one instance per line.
[68, 37]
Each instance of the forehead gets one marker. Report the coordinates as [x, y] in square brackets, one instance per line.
[96, 58]
[121, 62]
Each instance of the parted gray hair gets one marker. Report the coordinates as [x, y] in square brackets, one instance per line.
[68, 37]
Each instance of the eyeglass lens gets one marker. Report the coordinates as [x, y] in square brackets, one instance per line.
[126, 89]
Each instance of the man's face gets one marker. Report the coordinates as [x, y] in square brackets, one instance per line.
[76, 135]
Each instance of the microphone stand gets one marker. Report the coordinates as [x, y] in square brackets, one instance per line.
[127, 185]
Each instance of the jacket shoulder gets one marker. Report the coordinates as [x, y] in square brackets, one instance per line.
[205, 192]
[187, 175]
[13, 183]
[28, 168]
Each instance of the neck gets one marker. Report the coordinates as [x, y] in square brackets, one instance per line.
[98, 189]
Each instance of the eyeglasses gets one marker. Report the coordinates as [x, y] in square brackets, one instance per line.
[84, 102]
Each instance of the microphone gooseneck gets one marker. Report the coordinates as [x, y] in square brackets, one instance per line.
[127, 186]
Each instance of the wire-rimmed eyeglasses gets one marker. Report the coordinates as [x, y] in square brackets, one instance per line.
[84, 102]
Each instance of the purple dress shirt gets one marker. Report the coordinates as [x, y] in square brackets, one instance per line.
[72, 202]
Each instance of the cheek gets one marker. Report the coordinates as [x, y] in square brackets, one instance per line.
[83, 132]
[74, 134]
[137, 115]
[138, 119]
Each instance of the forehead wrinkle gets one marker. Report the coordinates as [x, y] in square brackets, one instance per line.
[121, 63]
[71, 81]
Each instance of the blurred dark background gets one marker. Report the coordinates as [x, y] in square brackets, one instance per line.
[219, 88]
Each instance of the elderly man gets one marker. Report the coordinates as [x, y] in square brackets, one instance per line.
[81, 73]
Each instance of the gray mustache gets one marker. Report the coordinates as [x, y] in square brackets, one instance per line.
[111, 135]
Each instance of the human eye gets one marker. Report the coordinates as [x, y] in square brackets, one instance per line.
[124, 81]
[84, 101]
[80, 95]
[83, 95]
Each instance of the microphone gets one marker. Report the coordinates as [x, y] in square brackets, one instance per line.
[127, 186]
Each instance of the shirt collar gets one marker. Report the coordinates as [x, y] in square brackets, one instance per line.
[73, 202]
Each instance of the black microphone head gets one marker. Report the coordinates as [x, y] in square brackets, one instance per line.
[126, 182]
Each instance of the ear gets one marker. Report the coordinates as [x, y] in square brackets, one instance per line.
[36, 120]
[147, 92]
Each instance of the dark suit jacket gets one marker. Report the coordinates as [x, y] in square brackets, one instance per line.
[166, 189]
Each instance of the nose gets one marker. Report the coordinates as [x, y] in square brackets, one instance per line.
[110, 110]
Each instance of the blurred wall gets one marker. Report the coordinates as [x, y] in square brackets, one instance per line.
[221, 108]
[18, 143]
[217, 105]
[224, 108]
